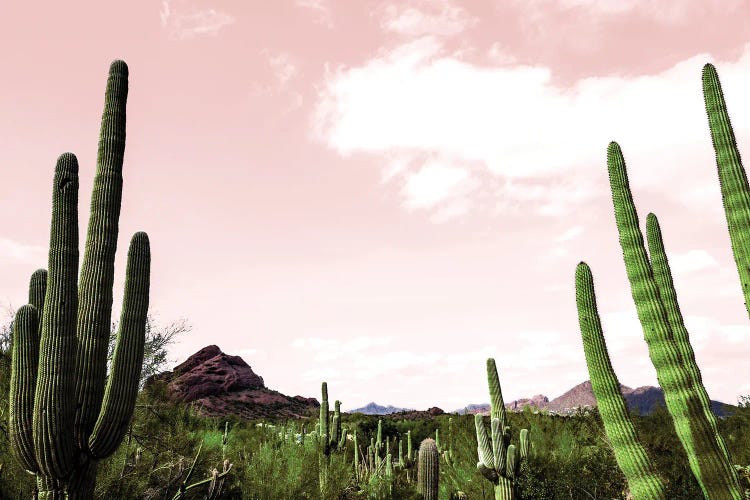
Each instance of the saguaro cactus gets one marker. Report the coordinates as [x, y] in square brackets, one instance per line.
[663, 326]
[64, 418]
[331, 437]
[428, 469]
[499, 460]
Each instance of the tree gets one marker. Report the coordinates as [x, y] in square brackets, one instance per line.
[158, 339]
[6, 331]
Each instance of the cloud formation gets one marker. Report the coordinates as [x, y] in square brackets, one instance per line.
[184, 21]
[417, 101]
[425, 17]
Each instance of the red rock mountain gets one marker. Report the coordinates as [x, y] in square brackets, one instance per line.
[219, 385]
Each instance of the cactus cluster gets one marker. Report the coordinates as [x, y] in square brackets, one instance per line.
[499, 460]
[663, 326]
[331, 435]
[215, 482]
[66, 412]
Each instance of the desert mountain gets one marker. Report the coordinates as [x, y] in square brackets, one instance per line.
[375, 409]
[642, 400]
[218, 385]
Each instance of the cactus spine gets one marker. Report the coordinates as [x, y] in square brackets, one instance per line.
[658, 311]
[428, 470]
[80, 415]
[498, 459]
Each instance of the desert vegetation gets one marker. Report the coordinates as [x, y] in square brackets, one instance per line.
[79, 422]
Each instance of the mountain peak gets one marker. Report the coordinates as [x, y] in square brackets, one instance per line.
[221, 384]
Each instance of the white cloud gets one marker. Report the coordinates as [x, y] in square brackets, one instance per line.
[498, 55]
[432, 17]
[664, 11]
[570, 234]
[283, 67]
[691, 261]
[417, 101]
[321, 9]
[184, 21]
[433, 183]
[13, 250]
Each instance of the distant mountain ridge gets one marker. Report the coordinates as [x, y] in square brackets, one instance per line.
[217, 384]
[641, 400]
[373, 408]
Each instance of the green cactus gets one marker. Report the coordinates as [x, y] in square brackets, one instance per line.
[333, 437]
[735, 192]
[356, 452]
[330, 436]
[428, 470]
[66, 413]
[643, 481]
[664, 330]
[525, 444]
[448, 453]
[215, 482]
[499, 460]
[379, 438]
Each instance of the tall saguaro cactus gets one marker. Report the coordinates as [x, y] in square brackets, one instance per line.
[663, 326]
[66, 414]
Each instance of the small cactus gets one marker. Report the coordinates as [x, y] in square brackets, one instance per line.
[428, 470]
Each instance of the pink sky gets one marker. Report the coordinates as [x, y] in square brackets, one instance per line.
[382, 195]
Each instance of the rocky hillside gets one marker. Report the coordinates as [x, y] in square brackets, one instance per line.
[218, 384]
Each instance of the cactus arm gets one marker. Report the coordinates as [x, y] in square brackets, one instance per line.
[668, 294]
[54, 409]
[711, 469]
[23, 373]
[483, 443]
[511, 462]
[668, 297]
[496, 394]
[632, 459]
[37, 290]
[122, 384]
[735, 193]
[342, 442]
[525, 444]
[97, 269]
